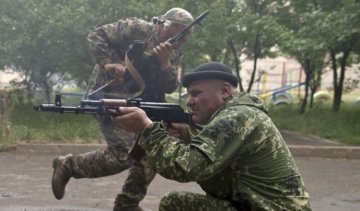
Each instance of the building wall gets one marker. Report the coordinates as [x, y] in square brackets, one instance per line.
[5, 77]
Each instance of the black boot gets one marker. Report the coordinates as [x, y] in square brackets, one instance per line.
[61, 176]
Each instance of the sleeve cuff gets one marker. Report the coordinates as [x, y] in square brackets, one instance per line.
[149, 132]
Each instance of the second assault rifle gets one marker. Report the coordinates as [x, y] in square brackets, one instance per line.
[166, 112]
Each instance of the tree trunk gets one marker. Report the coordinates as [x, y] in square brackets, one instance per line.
[47, 91]
[308, 76]
[256, 56]
[340, 83]
[314, 80]
[334, 67]
[312, 92]
[304, 102]
[236, 63]
[46, 85]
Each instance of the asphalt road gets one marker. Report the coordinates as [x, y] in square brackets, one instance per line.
[333, 184]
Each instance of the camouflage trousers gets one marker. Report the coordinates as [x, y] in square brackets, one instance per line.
[187, 201]
[115, 159]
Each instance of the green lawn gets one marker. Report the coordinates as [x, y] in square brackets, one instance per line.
[343, 127]
[27, 125]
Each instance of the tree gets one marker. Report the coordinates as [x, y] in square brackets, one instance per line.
[302, 39]
[337, 28]
[260, 31]
[45, 41]
[344, 27]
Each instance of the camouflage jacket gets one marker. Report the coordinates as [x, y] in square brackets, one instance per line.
[109, 44]
[239, 156]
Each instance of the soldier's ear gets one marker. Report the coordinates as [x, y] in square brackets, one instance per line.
[226, 90]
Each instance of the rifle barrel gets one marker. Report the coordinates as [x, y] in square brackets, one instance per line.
[183, 32]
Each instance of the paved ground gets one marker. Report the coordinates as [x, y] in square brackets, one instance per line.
[333, 183]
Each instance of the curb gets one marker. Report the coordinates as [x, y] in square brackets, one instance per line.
[338, 152]
[58, 148]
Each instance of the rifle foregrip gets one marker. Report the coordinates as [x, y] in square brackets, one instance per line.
[68, 109]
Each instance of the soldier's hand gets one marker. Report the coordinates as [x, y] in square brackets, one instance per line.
[132, 119]
[116, 70]
[180, 131]
[163, 52]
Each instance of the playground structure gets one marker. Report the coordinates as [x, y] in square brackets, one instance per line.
[284, 84]
[280, 95]
[280, 80]
[280, 87]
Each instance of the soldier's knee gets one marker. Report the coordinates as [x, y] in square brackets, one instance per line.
[169, 197]
[172, 200]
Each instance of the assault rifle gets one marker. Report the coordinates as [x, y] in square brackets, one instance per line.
[166, 112]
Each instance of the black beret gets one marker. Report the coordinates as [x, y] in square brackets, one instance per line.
[211, 70]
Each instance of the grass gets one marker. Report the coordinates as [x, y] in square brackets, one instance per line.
[29, 126]
[342, 127]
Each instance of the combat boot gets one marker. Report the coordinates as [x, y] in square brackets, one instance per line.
[61, 175]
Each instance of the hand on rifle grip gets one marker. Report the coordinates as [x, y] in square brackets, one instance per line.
[180, 131]
[163, 52]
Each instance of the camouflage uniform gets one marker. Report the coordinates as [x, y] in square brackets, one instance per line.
[109, 44]
[239, 159]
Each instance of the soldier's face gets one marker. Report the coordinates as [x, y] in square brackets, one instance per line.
[205, 97]
[174, 29]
